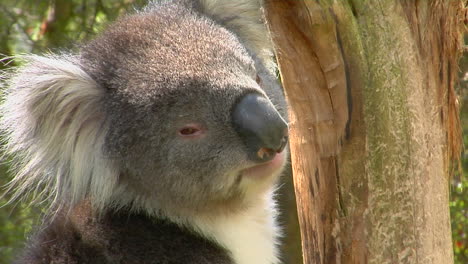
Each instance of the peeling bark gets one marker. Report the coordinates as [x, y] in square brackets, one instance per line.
[374, 124]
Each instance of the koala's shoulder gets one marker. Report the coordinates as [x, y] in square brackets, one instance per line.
[82, 239]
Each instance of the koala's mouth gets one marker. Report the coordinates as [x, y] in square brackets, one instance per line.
[268, 168]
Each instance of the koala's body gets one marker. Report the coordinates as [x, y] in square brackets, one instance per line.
[160, 141]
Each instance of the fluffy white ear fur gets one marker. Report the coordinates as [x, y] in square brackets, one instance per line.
[245, 18]
[53, 128]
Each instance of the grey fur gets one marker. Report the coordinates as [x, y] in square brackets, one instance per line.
[101, 125]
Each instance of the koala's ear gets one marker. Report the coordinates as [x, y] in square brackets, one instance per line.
[53, 127]
[246, 19]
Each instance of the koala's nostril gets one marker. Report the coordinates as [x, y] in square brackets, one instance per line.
[260, 126]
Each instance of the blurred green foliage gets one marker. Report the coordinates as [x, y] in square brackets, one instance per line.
[459, 190]
[459, 218]
[16, 221]
[34, 26]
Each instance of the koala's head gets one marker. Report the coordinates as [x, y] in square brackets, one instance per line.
[166, 110]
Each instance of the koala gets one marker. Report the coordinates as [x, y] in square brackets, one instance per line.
[159, 141]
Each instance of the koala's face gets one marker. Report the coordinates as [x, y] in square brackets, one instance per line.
[195, 120]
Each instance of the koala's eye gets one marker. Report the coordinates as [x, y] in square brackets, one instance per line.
[188, 131]
[191, 130]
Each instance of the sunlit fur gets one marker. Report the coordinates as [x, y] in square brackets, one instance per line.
[245, 17]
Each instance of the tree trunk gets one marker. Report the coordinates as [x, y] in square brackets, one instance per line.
[374, 124]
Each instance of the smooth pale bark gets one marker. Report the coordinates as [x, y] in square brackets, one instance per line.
[374, 124]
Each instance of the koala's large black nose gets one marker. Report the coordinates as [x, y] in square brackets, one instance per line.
[260, 126]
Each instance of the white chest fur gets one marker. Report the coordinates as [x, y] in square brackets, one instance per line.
[251, 236]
